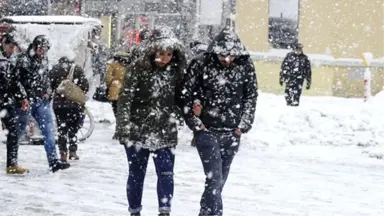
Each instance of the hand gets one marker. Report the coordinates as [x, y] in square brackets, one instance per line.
[238, 132]
[200, 128]
[197, 109]
[24, 105]
[46, 96]
[308, 87]
[281, 83]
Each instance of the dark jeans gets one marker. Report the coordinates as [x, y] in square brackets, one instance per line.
[292, 95]
[164, 160]
[216, 151]
[69, 121]
[41, 111]
[10, 120]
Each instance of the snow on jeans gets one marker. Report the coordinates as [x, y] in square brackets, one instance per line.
[164, 160]
[41, 111]
[216, 151]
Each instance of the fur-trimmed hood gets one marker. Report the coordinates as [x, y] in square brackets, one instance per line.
[163, 38]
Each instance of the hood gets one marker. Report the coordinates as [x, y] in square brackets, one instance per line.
[163, 38]
[227, 42]
[122, 57]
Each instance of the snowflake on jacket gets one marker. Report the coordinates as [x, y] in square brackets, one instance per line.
[147, 105]
[227, 94]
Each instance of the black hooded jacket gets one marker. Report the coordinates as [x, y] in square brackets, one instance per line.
[32, 73]
[147, 104]
[10, 89]
[59, 73]
[227, 94]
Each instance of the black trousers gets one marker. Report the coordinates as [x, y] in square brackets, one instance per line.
[9, 121]
[293, 94]
[69, 121]
[114, 108]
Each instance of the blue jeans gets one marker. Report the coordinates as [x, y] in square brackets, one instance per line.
[41, 111]
[216, 151]
[164, 160]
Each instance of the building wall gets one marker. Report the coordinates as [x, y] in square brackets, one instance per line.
[252, 24]
[343, 28]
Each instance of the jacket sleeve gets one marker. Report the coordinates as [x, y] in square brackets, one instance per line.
[249, 98]
[284, 69]
[109, 75]
[126, 96]
[52, 79]
[82, 81]
[189, 89]
[308, 75]
[15, 87]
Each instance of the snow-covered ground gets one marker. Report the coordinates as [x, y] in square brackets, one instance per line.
[320, 159]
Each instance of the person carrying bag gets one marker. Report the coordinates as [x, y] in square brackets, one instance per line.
[70, 90]
[68, 104]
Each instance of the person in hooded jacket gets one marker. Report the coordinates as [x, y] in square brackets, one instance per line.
[31, 70]
[295, 68]
[147, 108]
[114, 80]
[69, 114]
[12, 97]
[219, 93]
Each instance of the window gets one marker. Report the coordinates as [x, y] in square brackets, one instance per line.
[283, 23]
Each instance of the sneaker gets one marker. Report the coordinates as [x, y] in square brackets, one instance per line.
[16, 170]
[58, 165]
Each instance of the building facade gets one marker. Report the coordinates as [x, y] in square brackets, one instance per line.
[334, 35]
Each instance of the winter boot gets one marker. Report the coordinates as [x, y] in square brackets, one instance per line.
[135, 214]
[16, 170]
[57, 165]
[63, 156]
[73, 155]
[164, 214]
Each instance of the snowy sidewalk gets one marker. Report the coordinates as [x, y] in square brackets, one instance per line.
[284, 181]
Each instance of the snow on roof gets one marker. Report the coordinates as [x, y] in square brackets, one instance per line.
[50, 19]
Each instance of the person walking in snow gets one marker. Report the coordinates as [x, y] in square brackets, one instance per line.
[146, 120]
[219, 96]
[69, 114]
[31, 70]
[114, 80]
[295, 68]
[11, 96]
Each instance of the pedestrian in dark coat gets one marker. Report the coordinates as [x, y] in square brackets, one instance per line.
[146, 120]
[219, 96]
[295, 68]
[12, 97]
[69, 114]
[31, 71]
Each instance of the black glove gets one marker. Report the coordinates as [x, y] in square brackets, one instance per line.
[281, 83]
[308, 87]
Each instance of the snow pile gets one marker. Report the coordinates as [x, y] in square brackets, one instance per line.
[318, 121]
